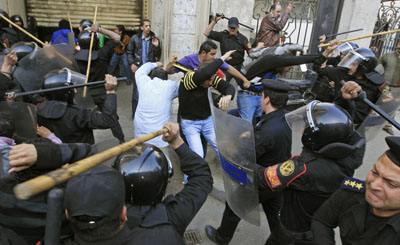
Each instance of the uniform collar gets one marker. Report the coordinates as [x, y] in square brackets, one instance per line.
[272, 114]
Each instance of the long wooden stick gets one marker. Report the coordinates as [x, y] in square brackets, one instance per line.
[90, 53]
[70, 24]
[8, 9]
[42, 183]
[23, 30]
[362, 37]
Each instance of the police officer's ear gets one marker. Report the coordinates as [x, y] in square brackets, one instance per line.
[66, 214]
[123, 218]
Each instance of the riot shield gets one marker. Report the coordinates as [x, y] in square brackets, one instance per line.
[373, 123]
[24, 115]
[235, 140]
[32, 69]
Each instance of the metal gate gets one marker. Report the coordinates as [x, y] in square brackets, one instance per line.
[388, 19]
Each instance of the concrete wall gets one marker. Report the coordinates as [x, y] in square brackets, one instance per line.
[358, 14]
[16, 7]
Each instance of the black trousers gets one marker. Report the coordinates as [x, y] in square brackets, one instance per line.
[282, 236]
[271, 205]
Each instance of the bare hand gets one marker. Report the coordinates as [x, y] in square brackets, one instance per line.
[332, 84]
[350, 90]
[218, 17]
[155, 41]
[134, 68]
[332, 46]
[288, 8]
[9, 97]
[43, 131]
[260, 45]
[172, 136]
[111, 83]
[22, 157]
[10, 59]
[322, 38]
[173, 59]
[95, 28]
[227, 55]
[224, 102]
[246, 83]
[159, 64]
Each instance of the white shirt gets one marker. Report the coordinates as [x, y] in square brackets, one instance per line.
[154, 106]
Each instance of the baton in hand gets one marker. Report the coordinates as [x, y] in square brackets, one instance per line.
[224, 17]
[363, 97]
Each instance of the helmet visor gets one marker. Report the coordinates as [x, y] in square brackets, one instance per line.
[303, 117]
[74, 78]
[345, 48]
[352, 59]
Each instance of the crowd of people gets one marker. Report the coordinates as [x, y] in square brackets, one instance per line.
[304, 197]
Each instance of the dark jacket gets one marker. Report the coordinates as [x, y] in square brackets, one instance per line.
[310, 179]
[135, 50]
[166, 222]
[348, 210]
[74, 123]
[28, 217]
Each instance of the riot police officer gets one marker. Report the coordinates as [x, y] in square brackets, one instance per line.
[332, 150]
[74, 123]
[273, 142]
[146, 179]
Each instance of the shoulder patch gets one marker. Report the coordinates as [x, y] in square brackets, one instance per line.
[287, 168]
[353, 184]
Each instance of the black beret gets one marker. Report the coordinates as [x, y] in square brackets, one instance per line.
[394, 149]
[277, 85]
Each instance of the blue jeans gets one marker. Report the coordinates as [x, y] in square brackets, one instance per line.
[114, 62]
[249, 106]
[192, 130]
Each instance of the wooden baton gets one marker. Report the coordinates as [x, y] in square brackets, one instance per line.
[362, 37]
[44, 182]
[90, 53]
[23, 30]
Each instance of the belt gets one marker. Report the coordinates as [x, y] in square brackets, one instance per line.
[249, 92]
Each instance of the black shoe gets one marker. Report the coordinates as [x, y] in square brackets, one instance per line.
[211, 233]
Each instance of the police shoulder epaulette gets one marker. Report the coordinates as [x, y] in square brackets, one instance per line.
[353, 184]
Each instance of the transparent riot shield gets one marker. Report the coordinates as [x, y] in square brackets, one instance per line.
[373, 123]
[24, 115]
[235, 140]
[32, 69]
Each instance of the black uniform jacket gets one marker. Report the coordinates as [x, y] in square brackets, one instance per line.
[74, 123]
[134, 50]
[166, 222]
[309, 179]
[27, 218]
[228, 42]
[273, 138]
[348, 209]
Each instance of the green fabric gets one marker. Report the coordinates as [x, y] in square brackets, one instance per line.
[391, 63]
[102, 39]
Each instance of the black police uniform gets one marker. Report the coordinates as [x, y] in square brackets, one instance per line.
[166, 222]
[308, 180]
[28, 217]
[348, 209]
[273, 142]
[75, 123]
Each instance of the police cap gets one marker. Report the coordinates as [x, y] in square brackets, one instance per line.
[394, 149]
[233, 22]
[277, 85]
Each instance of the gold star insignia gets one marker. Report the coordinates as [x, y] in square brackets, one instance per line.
[359, 186]
[347, 182]
[353, 183]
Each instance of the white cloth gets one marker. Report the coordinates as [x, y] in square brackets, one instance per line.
[154, 106]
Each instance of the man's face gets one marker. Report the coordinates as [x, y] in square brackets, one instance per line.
[383, 187]
[353, 68]
[210, 56]
[208, 82]
[233, 30]
[146, 28]
[277, 11]
[19, 23]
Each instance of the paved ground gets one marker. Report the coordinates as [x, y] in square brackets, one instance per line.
[212, 210]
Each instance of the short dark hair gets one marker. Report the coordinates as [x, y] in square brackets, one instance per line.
[207, 46]
[278, 99]
[121, 28]
[273, 7]
[7, 125]
[144, 20]
[203, 65]
[63, 24]
[104, 231]
[160, 73]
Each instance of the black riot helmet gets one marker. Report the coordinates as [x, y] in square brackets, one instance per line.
[85, 24]
[146, 177]
[364, 58]
[3, 23]
[62, 78]
[327, 123]
[22, 49]
[84, 40]
[17, 18]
